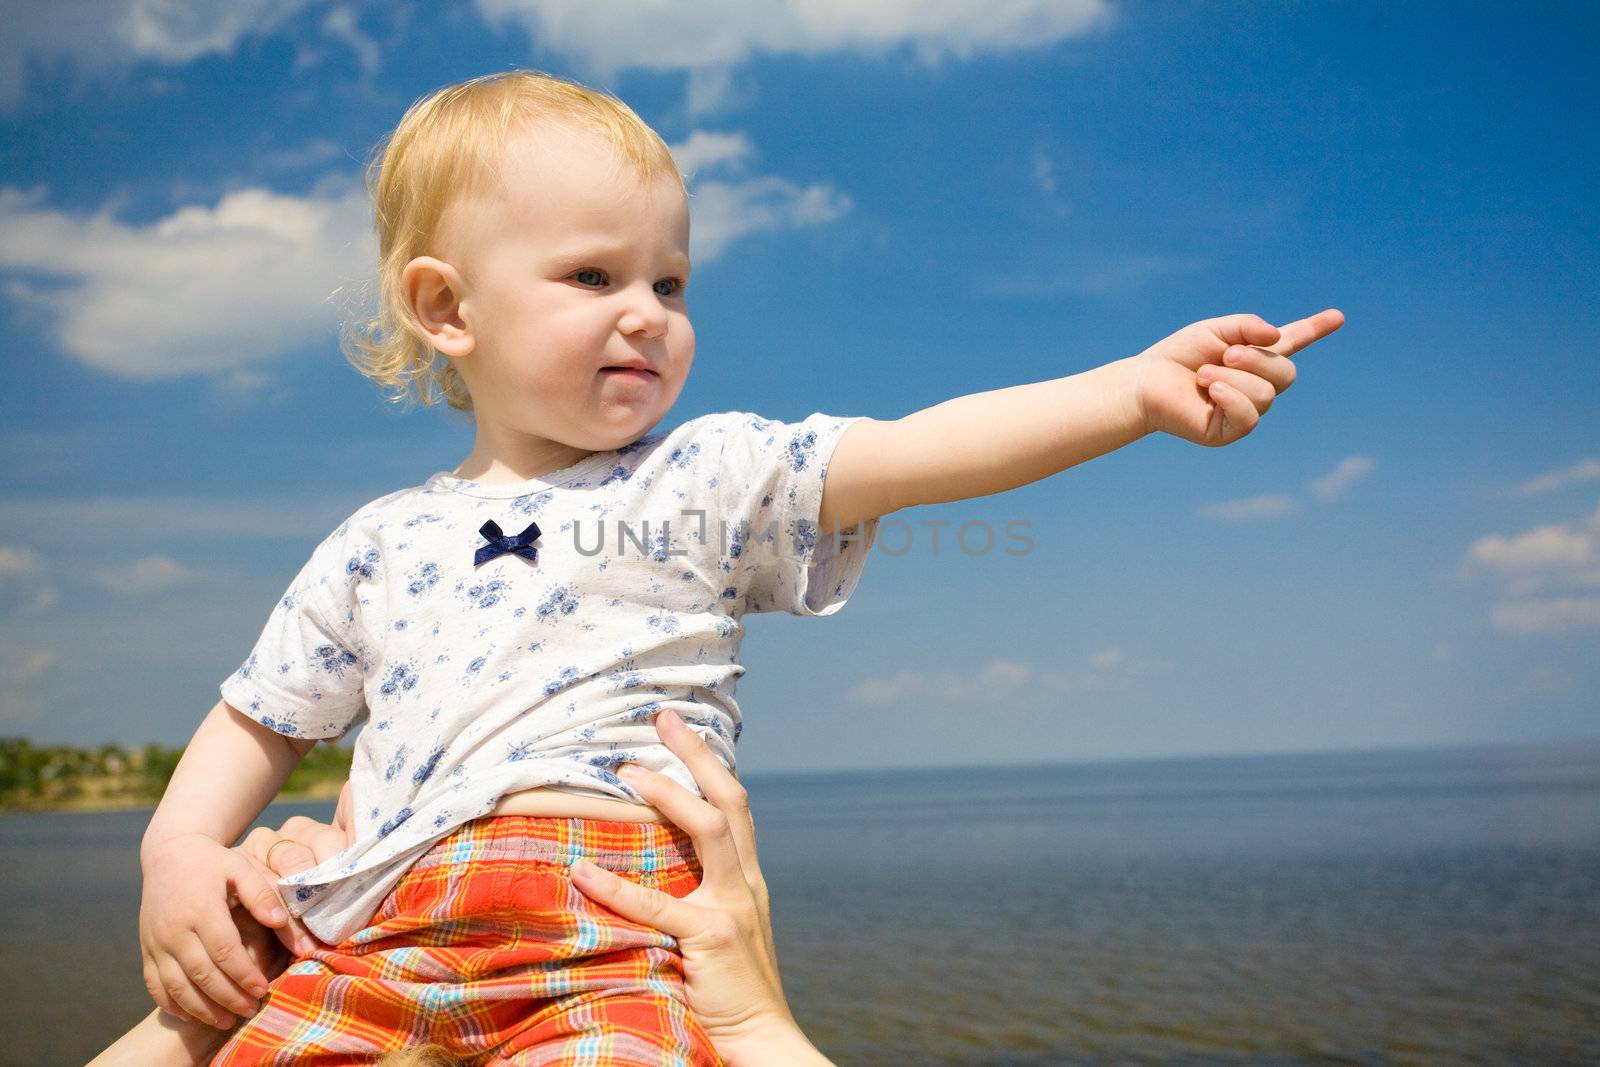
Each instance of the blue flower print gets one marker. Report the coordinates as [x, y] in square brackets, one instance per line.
[519, 613]
[488, 594]
[402, 678]
[363, 563]
[666, 622]
[627, 677]
[643, 713]
[418, 520]
[247, 668]
[425, 578]
[559, 601]
[522, 751]
[802, 449]
[394, 824]
[333, 659]
[397, 764]
[532, 504]
[567, 677]
[739, 538]
[277, 725]
[425, 770]
[683, 457]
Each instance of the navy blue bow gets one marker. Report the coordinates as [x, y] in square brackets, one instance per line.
[499, 543]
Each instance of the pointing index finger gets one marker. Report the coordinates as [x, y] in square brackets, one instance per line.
[1297, 335]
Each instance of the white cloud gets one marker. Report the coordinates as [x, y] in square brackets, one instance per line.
[312, 153]
[723, 212]
[1583, 470]
[77, 522]
[104, 35]
[206, 290]
[1255, 507]
[342, 25]
[1554, 546]
[26, 664]
[650, 35]
[995, 677]
[887, 690]
[18, 561]
[705, 150]
[1338, 481]
[148, 574]
[1559, 560]
[1106, 667]
[1548, 615]
[1091, 281]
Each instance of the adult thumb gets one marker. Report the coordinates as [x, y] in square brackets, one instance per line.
[258, 895]
[288, 857]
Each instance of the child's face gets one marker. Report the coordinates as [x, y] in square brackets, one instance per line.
[568, 270]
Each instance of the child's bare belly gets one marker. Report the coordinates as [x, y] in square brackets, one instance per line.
[546, 801]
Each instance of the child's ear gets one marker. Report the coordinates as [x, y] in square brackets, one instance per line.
[432, 289]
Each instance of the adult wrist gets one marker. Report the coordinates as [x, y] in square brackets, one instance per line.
[773, 1044]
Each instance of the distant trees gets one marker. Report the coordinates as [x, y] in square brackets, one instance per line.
[110, 776]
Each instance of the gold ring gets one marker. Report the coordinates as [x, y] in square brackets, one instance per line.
[275, 844]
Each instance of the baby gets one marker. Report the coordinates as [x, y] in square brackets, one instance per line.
[508, 630]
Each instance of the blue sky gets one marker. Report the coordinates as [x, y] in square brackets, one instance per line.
[893, 205]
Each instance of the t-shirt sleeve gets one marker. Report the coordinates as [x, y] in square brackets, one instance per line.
[770, 485]
[306, 675]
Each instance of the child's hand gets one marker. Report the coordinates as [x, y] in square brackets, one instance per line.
[1242, 364]
[196, 964]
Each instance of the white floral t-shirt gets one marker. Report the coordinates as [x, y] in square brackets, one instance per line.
[487, 659]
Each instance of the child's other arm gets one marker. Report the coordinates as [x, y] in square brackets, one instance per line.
[990, 442]
[195, 964]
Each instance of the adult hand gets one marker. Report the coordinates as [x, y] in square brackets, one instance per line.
[298, 844]
[1211, 382]
[723, 927]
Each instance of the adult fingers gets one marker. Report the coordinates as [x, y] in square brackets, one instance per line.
[1298, 335]
[256, 892]
[320, 838]
[717, 783]
[709, 829]
[653, 908]
[293, 934]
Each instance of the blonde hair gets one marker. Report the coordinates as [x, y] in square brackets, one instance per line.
[420, 1056]
[448, 143]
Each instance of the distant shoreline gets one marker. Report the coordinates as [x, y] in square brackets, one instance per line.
[90, 805]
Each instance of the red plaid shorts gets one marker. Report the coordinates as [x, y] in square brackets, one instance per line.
[486, 947]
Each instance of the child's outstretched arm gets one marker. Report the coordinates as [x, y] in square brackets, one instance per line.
[1209, 383]
[195, 964]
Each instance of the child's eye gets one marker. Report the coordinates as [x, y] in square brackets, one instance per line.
[677, 284]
